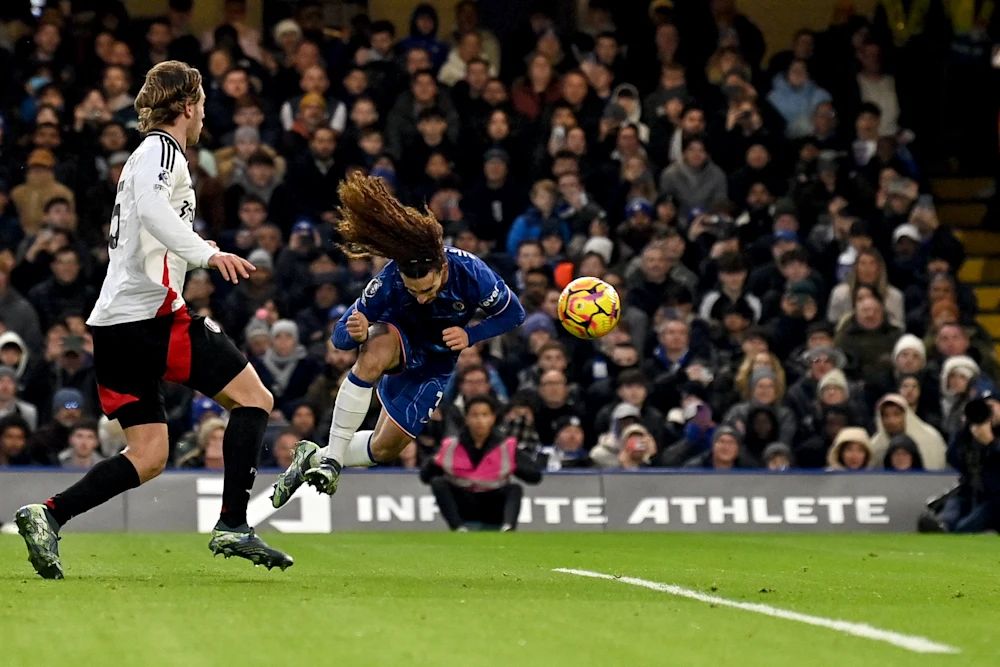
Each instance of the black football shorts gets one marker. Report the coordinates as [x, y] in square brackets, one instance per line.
[132, 361]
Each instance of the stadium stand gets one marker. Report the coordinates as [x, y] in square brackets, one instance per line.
[808, 270]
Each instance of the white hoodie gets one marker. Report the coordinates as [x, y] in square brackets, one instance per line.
[929, 442]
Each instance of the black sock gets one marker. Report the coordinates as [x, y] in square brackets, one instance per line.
[103, 482]
[240, 453]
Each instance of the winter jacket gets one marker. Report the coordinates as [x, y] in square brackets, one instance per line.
[19, 316]
[866, 349]
[693, 188]
[796, 105]
[978, 465]
[529, 227]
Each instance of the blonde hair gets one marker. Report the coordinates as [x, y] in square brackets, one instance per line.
[168, 87]
[206, 429]
[742, 380]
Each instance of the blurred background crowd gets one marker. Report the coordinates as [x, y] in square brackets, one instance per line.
[791, 294]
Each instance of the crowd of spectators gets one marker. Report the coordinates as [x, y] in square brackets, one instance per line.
[790, 293]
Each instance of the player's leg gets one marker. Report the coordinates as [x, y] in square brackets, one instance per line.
[408, 401]
[383, 351]
[367, 448]
[218, 369]
[129, 360]
[39, 525]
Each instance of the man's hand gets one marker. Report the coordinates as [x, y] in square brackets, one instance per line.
[456, 338]
[357, 327]
[232, 267]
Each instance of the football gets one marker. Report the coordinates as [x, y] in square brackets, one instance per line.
[589, 308]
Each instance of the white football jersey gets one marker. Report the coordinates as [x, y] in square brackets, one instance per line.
[152, 243]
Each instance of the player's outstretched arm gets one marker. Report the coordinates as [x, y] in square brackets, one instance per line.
[509, 316]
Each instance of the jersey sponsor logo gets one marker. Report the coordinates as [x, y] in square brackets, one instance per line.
[494, 297]
[212, 325]
[374, 285]
[164, 177]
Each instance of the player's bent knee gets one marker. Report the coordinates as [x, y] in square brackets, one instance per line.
[265, 400]
[515, 491]
[148, 464]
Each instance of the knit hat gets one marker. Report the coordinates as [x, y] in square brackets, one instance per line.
[600, 245]
[537, 322]
[909, 342]
[944, 308]
[959, 364]
[638, 205]
[727, 430]
[834, 378]
[908, 231]
[312, 99]
[286, 26]
[68, 398]
[776, 449]
[497, 154]
[261, 259]
[201, 406]
[255, 327]
[285, 326]
[246, 133]
[568, 420]
[624, 411]
[761, 374]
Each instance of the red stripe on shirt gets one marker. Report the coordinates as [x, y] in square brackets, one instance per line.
[168, 301]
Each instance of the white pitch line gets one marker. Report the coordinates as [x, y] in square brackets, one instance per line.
[913, 643]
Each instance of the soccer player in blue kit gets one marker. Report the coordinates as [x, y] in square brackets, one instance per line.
[410, 323]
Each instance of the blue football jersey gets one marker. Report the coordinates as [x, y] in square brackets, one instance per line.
[471, 285]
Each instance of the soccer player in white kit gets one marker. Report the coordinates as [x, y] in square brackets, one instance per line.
[145, 335]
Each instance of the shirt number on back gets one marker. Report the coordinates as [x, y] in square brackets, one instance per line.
[116, 226]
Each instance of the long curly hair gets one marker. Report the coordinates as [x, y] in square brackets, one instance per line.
[373, 222]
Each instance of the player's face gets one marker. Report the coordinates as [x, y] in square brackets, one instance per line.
[425, 289]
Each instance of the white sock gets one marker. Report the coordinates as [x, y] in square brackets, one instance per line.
[353, 401]
[358, 453]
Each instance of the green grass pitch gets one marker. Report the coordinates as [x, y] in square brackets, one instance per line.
[493, 599]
